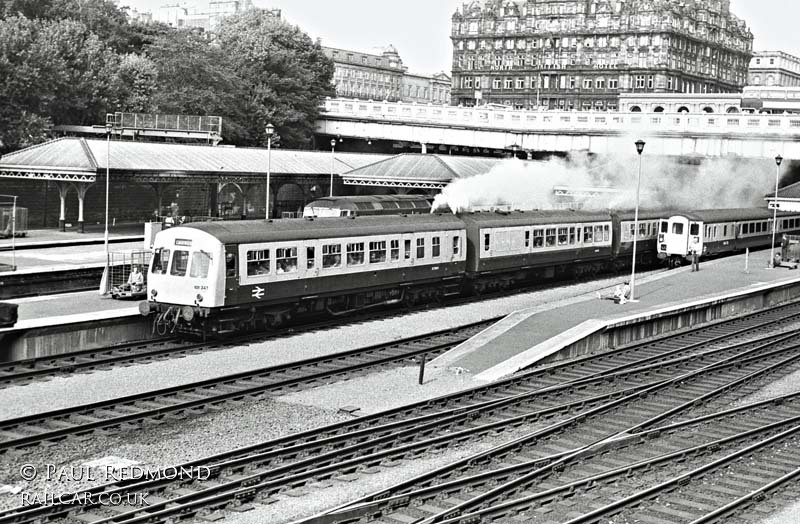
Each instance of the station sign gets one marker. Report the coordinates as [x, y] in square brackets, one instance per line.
[784, 205]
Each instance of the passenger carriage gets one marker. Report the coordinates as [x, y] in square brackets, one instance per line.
[368, 205]
[229, 276]
[719, 231]
[623, 234]
[508, 247]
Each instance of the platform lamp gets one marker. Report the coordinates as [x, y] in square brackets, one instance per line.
[639, 150]
[270, 129]
[104, 283]
[333, 158]
[778, 161]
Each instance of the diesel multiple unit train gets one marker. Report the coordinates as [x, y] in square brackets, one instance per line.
[222, 277]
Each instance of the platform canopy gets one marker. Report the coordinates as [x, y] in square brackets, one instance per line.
[788, 198]
[423, 171]
[82, 160]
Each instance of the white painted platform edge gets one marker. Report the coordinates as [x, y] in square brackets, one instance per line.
[586, 328]
[72, 319]
[50, 269]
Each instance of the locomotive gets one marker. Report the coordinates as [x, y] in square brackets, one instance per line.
[217, 278]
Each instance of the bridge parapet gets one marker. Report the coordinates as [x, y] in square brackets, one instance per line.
[568, 122]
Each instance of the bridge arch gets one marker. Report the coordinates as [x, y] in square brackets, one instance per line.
[290, 198]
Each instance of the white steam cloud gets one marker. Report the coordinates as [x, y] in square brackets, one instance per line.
[710, 183]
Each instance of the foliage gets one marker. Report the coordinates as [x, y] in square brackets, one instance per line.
[285, 75]
[52, 71]
[72, 61]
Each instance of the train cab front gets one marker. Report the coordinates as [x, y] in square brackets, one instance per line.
[185, 283]
[678, 235]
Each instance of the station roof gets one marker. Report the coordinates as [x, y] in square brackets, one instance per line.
[81, 159]
[419, 170]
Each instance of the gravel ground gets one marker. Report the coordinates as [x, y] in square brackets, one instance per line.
[77, 389]
[256, 421]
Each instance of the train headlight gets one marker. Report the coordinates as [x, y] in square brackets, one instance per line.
[187, 312]
[153, 293]
[661, 237]
[199, 298]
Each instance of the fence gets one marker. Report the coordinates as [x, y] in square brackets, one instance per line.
[122, 281]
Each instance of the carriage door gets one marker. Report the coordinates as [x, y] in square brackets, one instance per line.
[675, 239]
[231, 272]
[695, 237]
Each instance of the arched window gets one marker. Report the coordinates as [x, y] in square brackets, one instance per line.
[636, 109]
[732, 110]
[658, 109]
[708, 109]
[683, 109]
[757, 80]
[770, 80]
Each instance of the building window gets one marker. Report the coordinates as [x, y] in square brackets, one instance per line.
[520, 83]
[496, 83]
[613, 83]
[650, 82]
[509, 83]
[600, 83]
[639, 81]
[587, 83]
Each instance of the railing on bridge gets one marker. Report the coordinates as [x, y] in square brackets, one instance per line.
[158, 122]
[568, 121]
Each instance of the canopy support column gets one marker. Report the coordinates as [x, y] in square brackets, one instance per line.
[81, 189]
[63, 189]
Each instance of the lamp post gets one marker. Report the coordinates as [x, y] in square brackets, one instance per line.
[778, 161]
[333, 148]
[270, 130]
[104, 288]
[639, 149]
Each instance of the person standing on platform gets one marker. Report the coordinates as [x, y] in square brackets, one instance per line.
[695, 260]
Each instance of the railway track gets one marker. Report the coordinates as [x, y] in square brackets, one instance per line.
[211, 394]
[636, 396]
[596, 475]
[22, 372]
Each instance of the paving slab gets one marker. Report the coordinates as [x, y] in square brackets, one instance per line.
[498, 350]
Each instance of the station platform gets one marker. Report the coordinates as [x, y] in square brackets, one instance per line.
[69, 308]
[527, 336]
[42, 238]
[67, 257]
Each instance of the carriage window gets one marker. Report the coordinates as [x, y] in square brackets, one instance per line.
[598, 233]
[550, 237]
[201, 261]
[642, 230]
[355, 254]
[538, 238]
[377, 252]
[572, 236]
[487, 238]
[180, 261]
[258, 262]
[331, 255]
[694, 229]
[725, 231]
[286, 260]
[456, 245]
[407, 249]
[527, 239]
[435, 247]
[395, 249]
[631, 229]
[311, 259]
[587, 235]
[160, 261]
[665, 227]
[677, 228]
[606, 233]
[420, 248]
[562, 236]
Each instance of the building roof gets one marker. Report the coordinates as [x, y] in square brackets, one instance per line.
[89, 157]
[418, 170]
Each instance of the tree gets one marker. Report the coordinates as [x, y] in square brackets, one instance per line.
[196, 78]
[286, 75]
[51, 72]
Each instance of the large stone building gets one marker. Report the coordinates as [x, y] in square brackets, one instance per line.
[373, 76]
[774, 68]
[581, 54]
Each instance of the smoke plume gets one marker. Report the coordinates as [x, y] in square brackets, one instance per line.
[666, 182]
